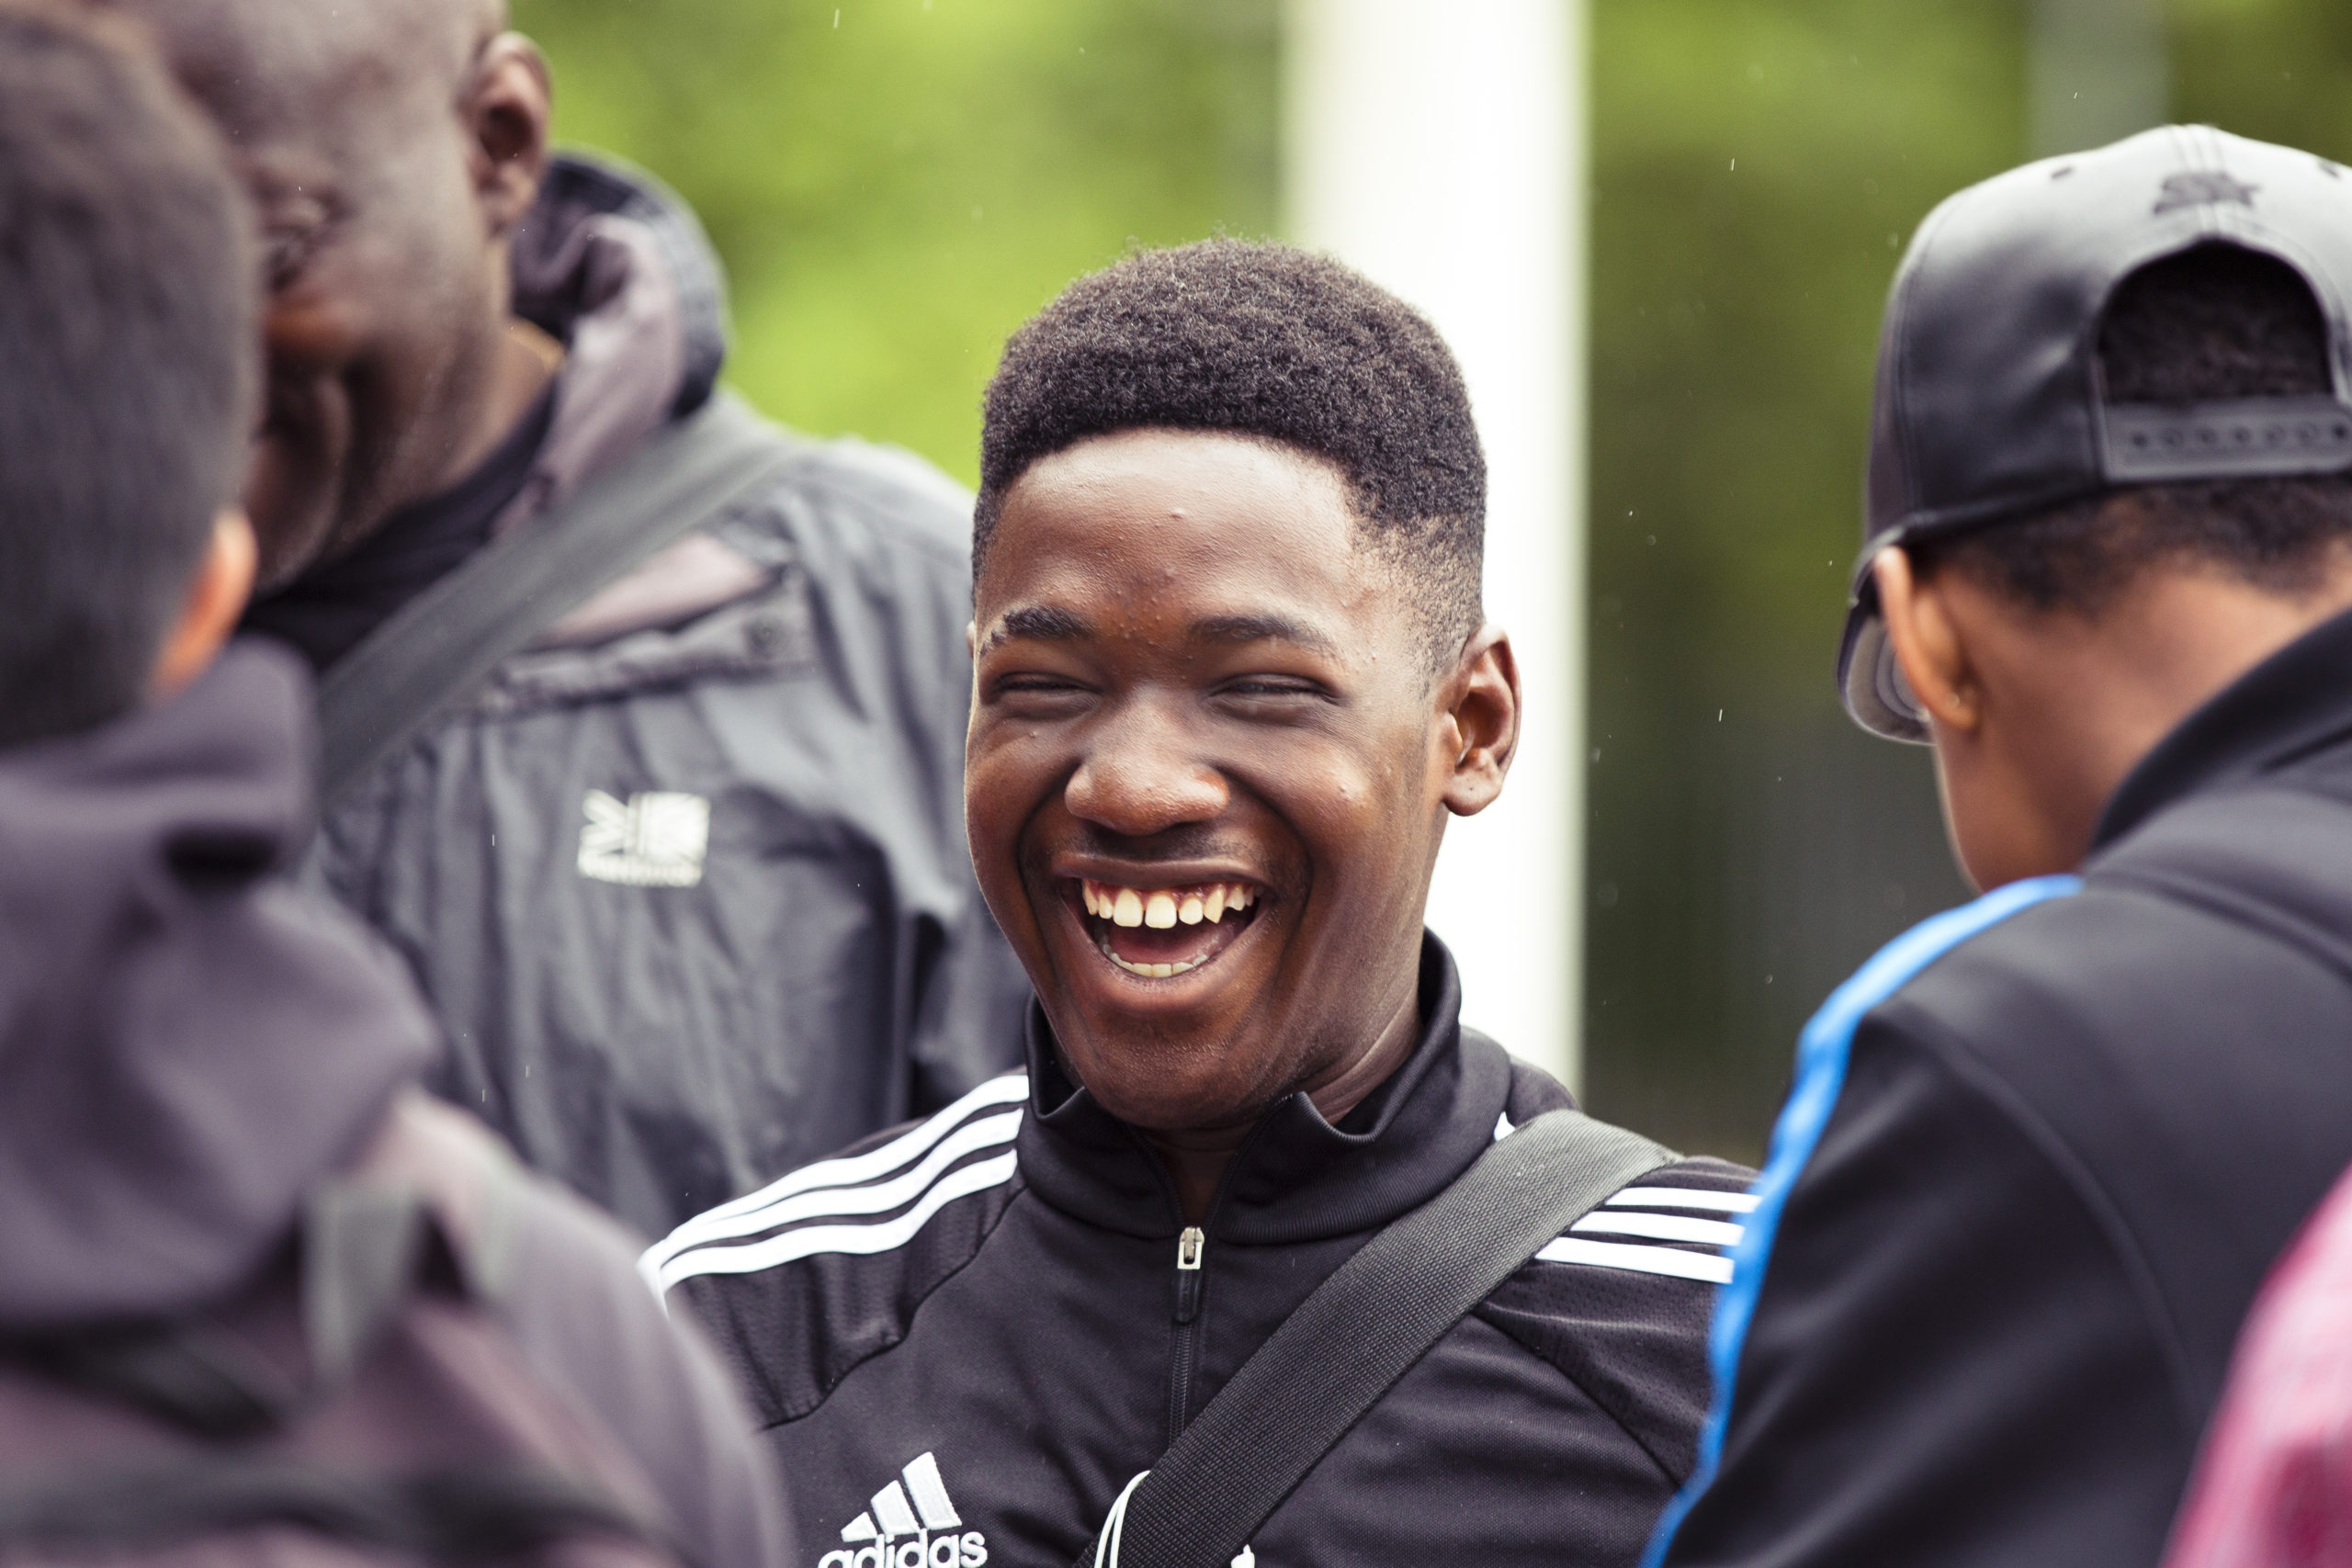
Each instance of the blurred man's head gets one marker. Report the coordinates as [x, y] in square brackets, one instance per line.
[2121, 332]
[390, 148]
[1232, 674]
[127, 377]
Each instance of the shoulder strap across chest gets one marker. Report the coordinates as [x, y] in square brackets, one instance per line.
[1361, 1330]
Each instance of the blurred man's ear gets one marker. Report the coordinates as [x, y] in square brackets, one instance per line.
[506, 110]
[224, 581]
[1480, 724]
[1928, 643]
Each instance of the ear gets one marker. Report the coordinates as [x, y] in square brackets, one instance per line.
[506, 110]
[224, 581]
[1928, 643]
[1478, 722]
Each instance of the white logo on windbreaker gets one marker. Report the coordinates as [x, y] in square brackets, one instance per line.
[912, 1525]
[654, 840]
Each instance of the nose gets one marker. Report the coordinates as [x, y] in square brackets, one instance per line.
[1139, 777]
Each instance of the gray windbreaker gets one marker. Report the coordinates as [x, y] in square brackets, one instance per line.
[687, 881]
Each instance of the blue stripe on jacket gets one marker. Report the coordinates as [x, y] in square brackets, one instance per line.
[1823, 1051]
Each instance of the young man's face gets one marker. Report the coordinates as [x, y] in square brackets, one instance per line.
[1200, 709]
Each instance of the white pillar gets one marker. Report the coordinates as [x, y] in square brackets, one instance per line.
[1439, 146]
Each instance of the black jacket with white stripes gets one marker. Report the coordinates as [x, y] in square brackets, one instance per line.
[967, 1337]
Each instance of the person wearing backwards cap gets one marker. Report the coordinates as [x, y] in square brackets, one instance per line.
[2043, 1149]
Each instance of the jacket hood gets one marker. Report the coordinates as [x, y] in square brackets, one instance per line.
[614, 267]
[1297, 1176]
[188, 1043]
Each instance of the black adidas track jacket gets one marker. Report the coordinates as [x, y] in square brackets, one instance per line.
[967, 1338]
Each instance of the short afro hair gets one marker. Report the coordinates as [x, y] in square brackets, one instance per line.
[1266, 341]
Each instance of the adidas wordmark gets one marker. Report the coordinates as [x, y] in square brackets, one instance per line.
[910, 1523]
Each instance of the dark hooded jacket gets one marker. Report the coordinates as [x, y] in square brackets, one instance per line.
[966, 1338]
[687, 881]
[189, 1044]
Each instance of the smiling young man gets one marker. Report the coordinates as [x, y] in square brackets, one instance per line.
[2043, 1150]
[1232, 681]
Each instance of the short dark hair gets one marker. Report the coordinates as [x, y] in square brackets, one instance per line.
[2216, 321]
[1267, 340]
[128, 362]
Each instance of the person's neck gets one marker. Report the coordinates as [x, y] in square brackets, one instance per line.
[522, 362]
[1196, 1157]
[2105, 693]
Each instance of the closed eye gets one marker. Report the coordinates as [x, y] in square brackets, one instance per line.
[1276, 688]
[1036, 695]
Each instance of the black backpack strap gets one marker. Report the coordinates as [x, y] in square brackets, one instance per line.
[439, 646]
[476, 1515]
[1362, 1329]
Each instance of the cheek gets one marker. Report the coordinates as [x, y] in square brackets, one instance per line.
[1008, 779]
[1364, 812]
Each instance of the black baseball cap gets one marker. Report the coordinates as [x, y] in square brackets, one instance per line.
[1989, 405]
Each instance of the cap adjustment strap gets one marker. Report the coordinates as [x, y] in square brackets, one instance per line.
[2232, 438]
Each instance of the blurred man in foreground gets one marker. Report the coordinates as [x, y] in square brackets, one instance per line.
[683, 876]
[2043, 1149]
[1234, 678]
[242, 1259]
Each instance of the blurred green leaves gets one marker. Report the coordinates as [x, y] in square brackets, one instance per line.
[897, 184]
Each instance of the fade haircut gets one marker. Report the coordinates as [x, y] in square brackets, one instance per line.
[128, 362]
[1269, 341]
[2217, 320]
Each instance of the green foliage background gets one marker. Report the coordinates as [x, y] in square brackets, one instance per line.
[897, 184]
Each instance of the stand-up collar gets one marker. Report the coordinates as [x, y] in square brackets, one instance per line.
[2296, 701]
[187, 1042]
[1296, 1176]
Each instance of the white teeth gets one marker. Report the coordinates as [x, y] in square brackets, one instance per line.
[1162, 908]
[1148, 971]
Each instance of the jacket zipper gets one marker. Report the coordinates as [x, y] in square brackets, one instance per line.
[1190, 1246]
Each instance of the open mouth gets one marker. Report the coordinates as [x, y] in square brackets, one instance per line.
[1159, 933]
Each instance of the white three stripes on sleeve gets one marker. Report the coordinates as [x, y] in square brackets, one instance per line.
[1619, 1216]
[919, 1167]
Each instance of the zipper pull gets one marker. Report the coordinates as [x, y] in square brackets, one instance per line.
[1189, 1248]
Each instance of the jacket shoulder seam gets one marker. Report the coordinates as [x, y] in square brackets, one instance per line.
[1665, 1471]
[1020, 1189]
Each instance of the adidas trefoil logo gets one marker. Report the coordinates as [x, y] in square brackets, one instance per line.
[910, 1523]
[654, 840]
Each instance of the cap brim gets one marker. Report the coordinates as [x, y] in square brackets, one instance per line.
[1876, 695]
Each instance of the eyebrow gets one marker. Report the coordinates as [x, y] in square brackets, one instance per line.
[1223, 630]
[1046, 623]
